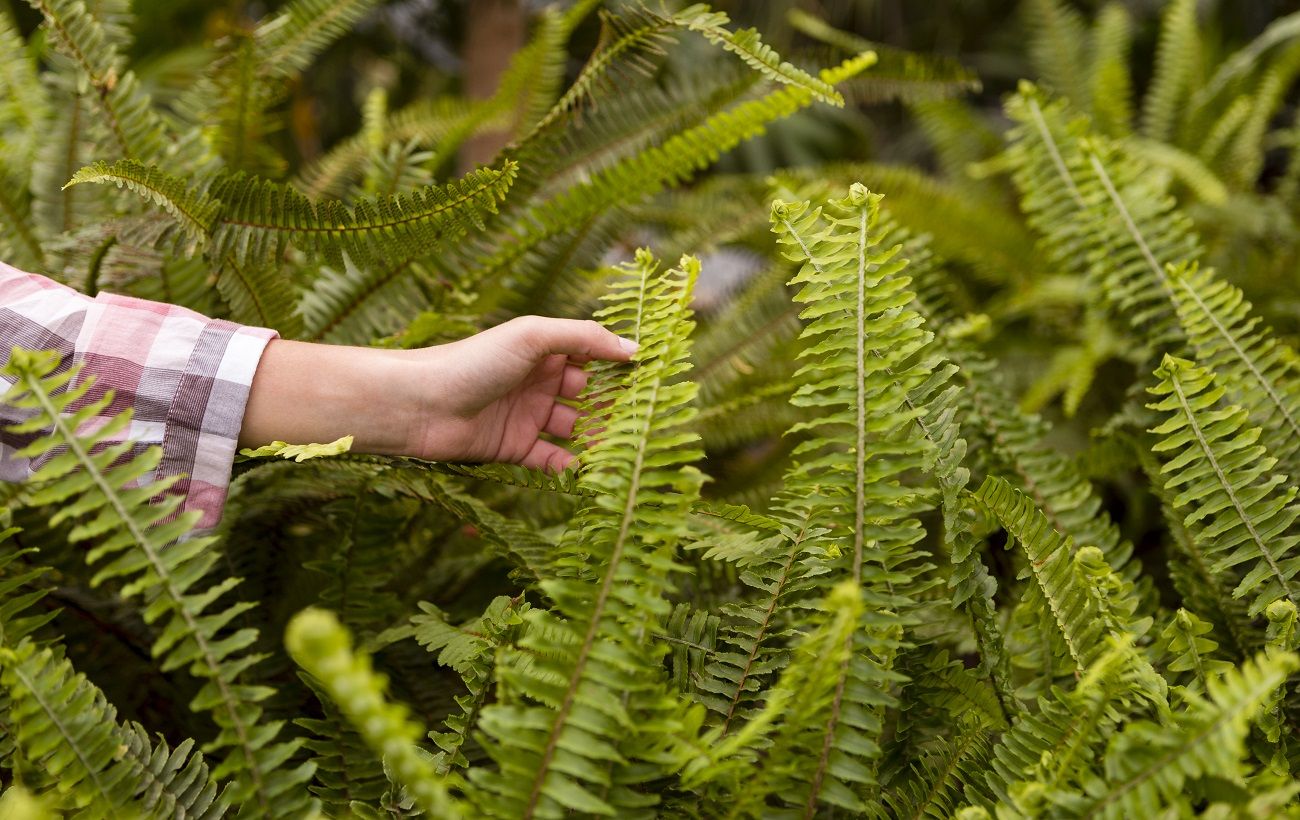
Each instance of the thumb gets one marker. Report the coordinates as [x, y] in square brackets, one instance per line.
[576, 338]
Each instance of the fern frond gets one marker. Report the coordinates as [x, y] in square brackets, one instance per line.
[1089, 604]
[805, 695]
[63, 724]
[865, 352]
[1148, 766]
[136, 130]
[759, 56]
[650, 171]
[1238, 510]
[256, 219]
[470, 649]
[1261, 373]
[899, 75]
[292, 39]
[936, 783]
[1185, 641]
[1102, 214]
[136, 543]
[322, 647]
[1059, 47]
[1110, 82]
[1177, 65]
[554, 746]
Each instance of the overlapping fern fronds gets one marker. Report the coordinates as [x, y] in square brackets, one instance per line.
[556, 747]
[137, 543]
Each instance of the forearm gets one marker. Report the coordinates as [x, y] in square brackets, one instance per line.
[304, 393]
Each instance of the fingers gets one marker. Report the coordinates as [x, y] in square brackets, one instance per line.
[548, 457]
[572, 382]
[561, 422]
[581, 339]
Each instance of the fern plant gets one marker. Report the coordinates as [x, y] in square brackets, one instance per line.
[972, 495]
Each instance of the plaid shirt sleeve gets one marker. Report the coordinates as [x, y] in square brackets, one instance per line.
[186, 377]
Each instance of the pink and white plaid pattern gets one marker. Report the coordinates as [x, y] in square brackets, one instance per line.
[185, 376]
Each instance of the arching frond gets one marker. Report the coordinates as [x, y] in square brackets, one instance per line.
[1148, 767]
[322, 647]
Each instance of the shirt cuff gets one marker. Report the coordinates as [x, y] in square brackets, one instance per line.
[203, 371]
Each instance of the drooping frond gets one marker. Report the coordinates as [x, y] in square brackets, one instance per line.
[1089, 604]
[899, 75]
[322, 647]
[135, 542]
[1238, 509]
[747, 45]
[556, 748]
[1148, 766]
[66, 729]
[253, 220]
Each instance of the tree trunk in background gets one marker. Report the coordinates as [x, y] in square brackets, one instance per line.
[494, 31]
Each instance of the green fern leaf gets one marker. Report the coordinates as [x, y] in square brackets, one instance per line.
[65, 727]
[1238, 510]
[1260, 372]
[1147, 765]
[136, 543]
[555, 747]
[1177, 64]
[322, 647]
[1089, 604]
[135, 129]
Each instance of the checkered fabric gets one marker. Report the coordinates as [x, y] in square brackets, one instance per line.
[186, 377]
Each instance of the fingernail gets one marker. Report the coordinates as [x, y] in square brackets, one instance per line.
[629, 346]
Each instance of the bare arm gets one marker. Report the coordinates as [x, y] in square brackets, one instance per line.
[485, 398]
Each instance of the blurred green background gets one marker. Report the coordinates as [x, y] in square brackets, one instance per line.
[416, 48]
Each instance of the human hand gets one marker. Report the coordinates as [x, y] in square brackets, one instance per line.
[489, 397]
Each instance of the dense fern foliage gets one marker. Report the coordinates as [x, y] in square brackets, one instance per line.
[963, 492]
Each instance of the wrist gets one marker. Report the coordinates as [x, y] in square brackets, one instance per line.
[304, 393]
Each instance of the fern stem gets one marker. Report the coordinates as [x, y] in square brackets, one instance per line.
[1132, 227]
[142, 539]
[1055, 152]
[1227, 485]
